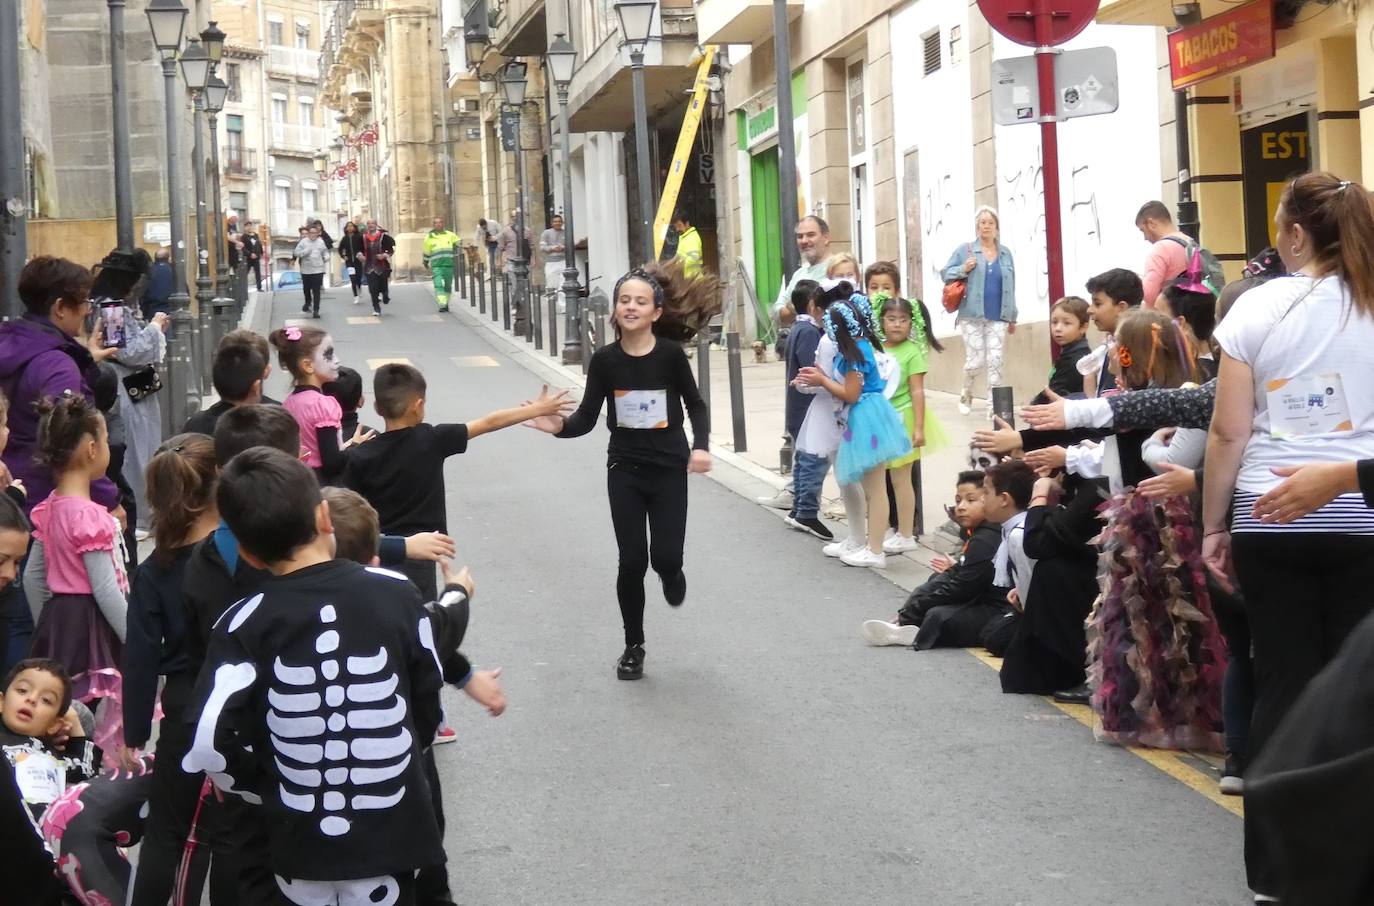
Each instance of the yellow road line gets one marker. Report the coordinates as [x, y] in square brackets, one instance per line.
[1170, 762]
[374, 364]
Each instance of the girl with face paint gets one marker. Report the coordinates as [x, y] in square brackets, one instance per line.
[307, 353]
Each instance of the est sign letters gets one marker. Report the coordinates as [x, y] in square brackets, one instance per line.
[1222, 44]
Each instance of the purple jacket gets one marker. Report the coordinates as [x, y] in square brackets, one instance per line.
[37, 360]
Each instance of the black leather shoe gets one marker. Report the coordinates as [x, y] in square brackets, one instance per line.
[675, 589]
[631, 664]
[1080, 695]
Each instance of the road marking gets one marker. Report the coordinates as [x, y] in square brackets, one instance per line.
[428, 319]
[1174, 764]
[366, 319]
[374, 364]
[475, 361]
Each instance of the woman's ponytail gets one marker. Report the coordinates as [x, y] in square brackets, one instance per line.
[1338, 216]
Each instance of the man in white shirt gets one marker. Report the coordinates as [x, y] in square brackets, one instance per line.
[813, 242]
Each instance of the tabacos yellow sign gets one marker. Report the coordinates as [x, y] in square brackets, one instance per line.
[1222, 44]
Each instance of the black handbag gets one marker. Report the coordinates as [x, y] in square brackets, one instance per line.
[143, 383]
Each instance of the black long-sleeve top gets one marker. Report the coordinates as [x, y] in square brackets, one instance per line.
[971, 580]
[156, 644]
[644, 398]
[1065, 379]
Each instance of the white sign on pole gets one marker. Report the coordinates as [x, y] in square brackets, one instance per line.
[1085, 84]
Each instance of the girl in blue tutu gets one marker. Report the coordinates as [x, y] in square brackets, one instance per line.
[873, 432]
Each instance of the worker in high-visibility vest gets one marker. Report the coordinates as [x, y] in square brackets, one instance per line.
[689, 251]
[439, 250]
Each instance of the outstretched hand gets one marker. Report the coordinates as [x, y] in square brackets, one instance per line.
[1047, 416]
[483, 687]
[1003, 441]
[1174, 481]
[429, 546]
[462, 577]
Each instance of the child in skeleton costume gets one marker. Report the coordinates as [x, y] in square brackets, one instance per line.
[644, 381]
[318, 696]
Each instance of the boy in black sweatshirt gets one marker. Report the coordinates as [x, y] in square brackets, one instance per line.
[319, 695]
[952, 607]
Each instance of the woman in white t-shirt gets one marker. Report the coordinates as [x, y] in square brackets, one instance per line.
[1294, 388]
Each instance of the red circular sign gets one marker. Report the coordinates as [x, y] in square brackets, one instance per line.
[1015, 19]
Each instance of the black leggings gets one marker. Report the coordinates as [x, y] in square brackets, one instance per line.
[658, 495]
[313, 285]
[1304, 594]
[378, 289]
[356, 278]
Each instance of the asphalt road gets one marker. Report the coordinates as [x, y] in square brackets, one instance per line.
[768, 756]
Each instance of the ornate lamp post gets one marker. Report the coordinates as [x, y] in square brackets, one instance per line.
[513, 84]
[636, 21]
[167, 21]
[195, 69]
[561, 59]
[215, 93]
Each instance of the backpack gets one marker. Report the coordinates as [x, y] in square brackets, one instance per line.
[1213, 277]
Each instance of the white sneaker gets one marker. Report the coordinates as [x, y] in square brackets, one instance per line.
[965, 404]
[899, 544]
[842, 547]
[880, 632]
[357, 300]
[782, 500]
[864, 557]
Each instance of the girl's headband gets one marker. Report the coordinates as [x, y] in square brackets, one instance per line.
[640, 273]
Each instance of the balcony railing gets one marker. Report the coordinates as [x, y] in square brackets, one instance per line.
[241, 161]
[294, 61]
[294, 137]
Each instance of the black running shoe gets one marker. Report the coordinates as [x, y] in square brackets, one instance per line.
[306, 308]
[675, 589]
[631, 663]
[813, 526]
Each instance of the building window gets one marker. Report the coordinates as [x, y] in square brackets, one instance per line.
[931, 46]
[238, 204]
[303, 35]
[306, 107]
[956, 37]
[276, 33]
[233, 137]
[310, 199]
[231, 77]
[278, 110]
[281, 197]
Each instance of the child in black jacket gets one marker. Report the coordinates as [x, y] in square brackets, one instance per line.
[319, 696]
[952, 607]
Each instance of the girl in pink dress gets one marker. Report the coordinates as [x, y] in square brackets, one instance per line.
[75, 579]
[308, 354]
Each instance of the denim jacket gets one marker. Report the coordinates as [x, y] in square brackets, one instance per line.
[972, 306]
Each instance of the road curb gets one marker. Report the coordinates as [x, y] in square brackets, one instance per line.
[743, 477]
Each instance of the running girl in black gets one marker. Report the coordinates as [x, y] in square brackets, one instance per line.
[645, 381]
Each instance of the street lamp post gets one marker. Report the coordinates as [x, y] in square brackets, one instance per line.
[195, 68]
[562, 59]
[513, 85]
[119, 123]
[167, 20]
[636, 21]
[13, 200]
[215, 93]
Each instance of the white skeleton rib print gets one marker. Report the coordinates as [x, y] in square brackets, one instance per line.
[324, 769]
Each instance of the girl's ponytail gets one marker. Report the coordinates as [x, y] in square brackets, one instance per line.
[62, 424]
[689, 303]
[181, 488]
[1338, 216]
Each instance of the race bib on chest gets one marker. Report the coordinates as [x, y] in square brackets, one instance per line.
[39, 776]
[1308, 404]
[642, 409]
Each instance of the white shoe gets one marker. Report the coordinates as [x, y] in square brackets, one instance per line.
[842, 547]
[965, 405]
[899, 544]
[881, 632]
[357, 300]
[782, 500]
[864, 557]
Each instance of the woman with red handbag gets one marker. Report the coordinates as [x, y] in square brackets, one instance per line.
[980, 284]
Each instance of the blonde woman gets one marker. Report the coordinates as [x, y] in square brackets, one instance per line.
[988, 312]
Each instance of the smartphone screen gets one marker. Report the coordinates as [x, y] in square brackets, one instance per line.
[112, 324]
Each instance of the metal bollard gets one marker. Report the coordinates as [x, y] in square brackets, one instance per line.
[704, 371]
[919, 487]
[1003, 405]
[736, 390]
[494, 294]
[536, 321]
[553, 327]
[505, 303]
[481, 293]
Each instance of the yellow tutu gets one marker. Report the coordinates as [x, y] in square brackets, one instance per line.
[936, 437]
